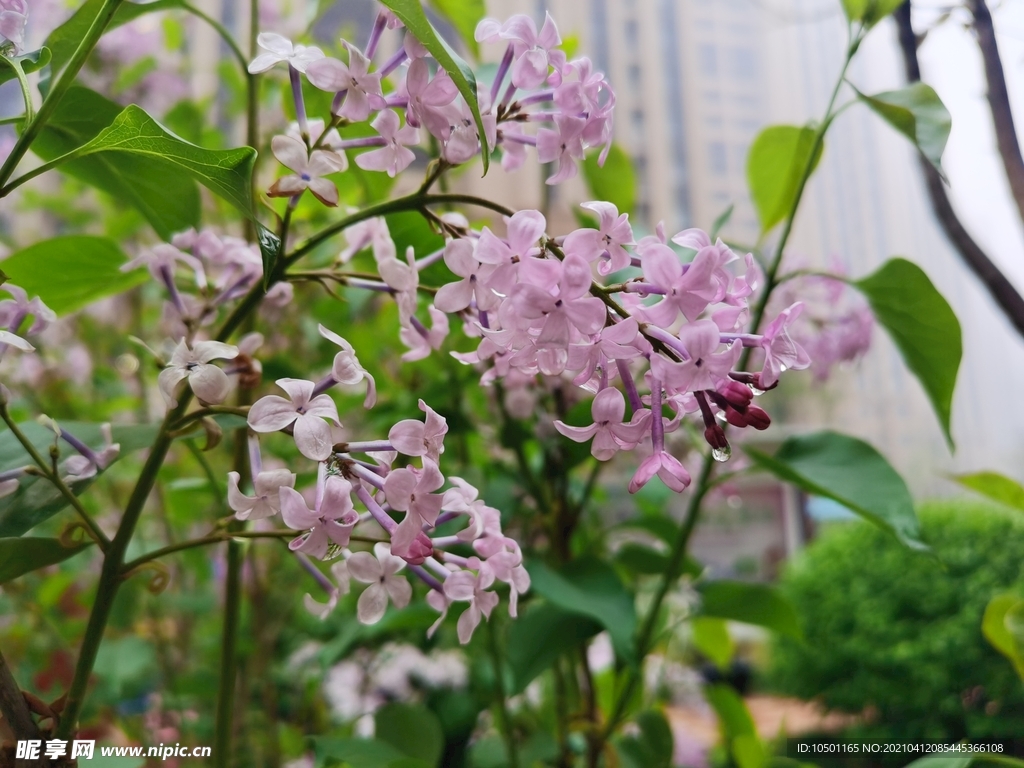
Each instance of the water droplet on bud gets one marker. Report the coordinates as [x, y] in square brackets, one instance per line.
[755, 391]
[722, 454]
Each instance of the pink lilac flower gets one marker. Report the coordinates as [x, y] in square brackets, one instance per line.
[266, 501]
[705, 366]
[330, 523]
[454, 297]
[687, 290]
[524, 229]
[606, 242]
[394, 157]
[610, 435]
[535, 52]
[428, 98]
[13, 18]
[279, 49]
[410, 490]
[570, 307]
[209, 383]
[564, 144]
[301, 411]
[309, 169]
[89, 462]
[346, 368]
[379, 571]
[781, 352]
[467, 586]
[14, 310]
[363, 92]
[412, 437]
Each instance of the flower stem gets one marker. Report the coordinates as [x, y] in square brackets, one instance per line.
[500, 700]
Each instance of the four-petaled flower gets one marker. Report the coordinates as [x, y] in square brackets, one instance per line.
[781, 353]
[608, 430]
[379, 571]
[420, 438]
[266, 501]
[705, 366]
[280, 48]
[209, 383]
[410, 490]
[331, 522]
[346, 368]
[309, 167]
[303, 412]
[362, 87]
[394, 157]
[466, 585]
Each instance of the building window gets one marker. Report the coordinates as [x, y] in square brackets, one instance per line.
[707, 59]
[716, 158]
[744, 64]
[632, 32]
[633, 74]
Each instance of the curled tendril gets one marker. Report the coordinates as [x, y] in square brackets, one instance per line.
[158, 581]
[74, 535]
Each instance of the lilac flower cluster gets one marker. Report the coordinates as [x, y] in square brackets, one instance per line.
[367, 473]
[676, 331]
[570, 102]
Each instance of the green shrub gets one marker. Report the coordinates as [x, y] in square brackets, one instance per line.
[898, 634]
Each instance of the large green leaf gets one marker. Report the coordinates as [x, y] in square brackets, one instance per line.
[850, 471]
[996, 487]
[226, 172]
[36, 499]
[759, 604]
[615, 182]
[30, 62]
[464, 15]
[363, 753]
[776, 163]
[736, 725]
[590, 587]
[70, 271]
[167, 198]
[869, 12]
[537, 638]
[410, 12]
[922, 325]
[1000, 625]
[919, 114]
[412, 729]
[19, 556]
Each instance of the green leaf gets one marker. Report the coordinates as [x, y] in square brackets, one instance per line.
[870, 12]
[652, 747]
[225, 172]
[733, 716]
[922, 325]
[776, 163]
[749, 603]
[412, 729]
[591, 588]
[540, 636]
[363, 753]
[30, 62]
[19, 556]
[940, 761]
[36, 499]
[71, 271]
[646, 561]
[998, 624]
[996, 487]
[410, 12]
[919, 114]
[615, 182]
[721, 221]
[464, 15]
[711, 638]
[850, 471]
[167, 198]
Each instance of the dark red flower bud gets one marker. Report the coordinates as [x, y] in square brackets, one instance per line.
[420, 549]
[738, 395]
[757, 418]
